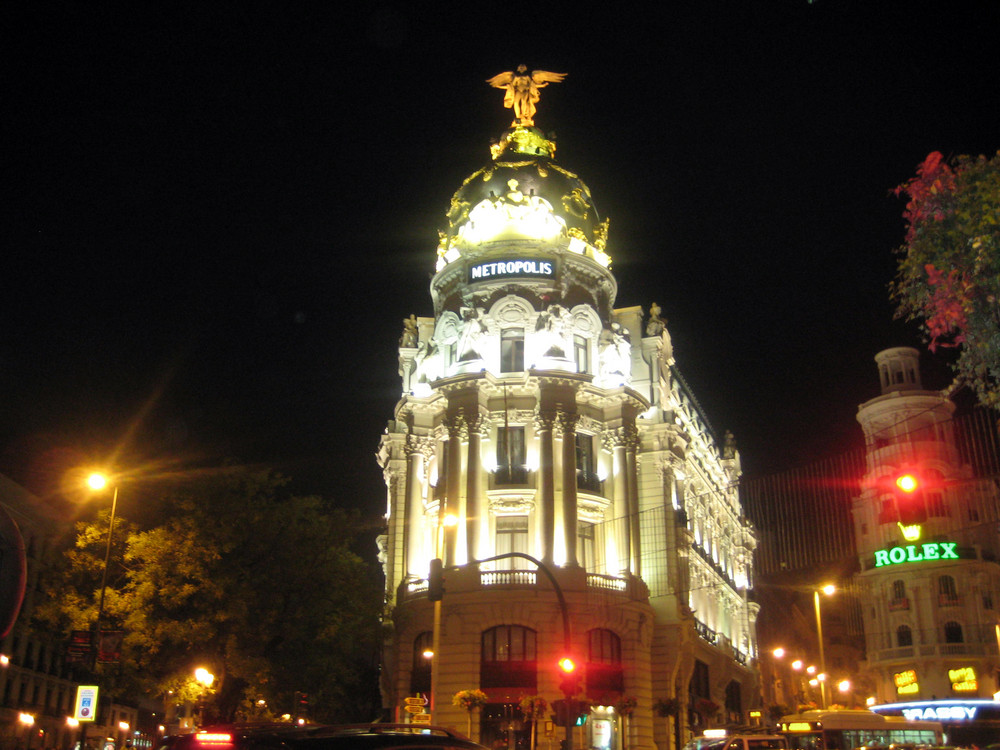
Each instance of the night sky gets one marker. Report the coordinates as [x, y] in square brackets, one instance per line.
[217, 214]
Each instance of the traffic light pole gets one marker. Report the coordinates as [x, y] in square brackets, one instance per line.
[567, 640]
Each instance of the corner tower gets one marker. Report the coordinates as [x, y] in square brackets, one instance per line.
[540, 423]
[928, 554]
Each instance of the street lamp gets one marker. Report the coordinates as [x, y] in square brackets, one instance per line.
[97, 482]
[29, 721]
[828, 589]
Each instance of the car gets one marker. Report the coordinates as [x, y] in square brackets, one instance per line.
[287, 736]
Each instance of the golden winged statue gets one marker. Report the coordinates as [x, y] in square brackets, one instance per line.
[522, 91]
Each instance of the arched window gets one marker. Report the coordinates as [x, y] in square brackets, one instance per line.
[947, 593]
[509, 657]
[605, 647]
[953, 632]
[904, 636]
[420, 675]
[605, 675]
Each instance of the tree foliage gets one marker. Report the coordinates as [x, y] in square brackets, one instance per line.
[949, 266]
[260, 588]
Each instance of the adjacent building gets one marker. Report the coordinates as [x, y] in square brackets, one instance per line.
[546, 449]
[926, 525]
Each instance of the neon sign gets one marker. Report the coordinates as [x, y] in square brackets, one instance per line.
[906, 682]
[963, 680]
[953, 713]
[916, 553]
[502, 269]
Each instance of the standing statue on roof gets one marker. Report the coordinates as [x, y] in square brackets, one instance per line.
[522, 91]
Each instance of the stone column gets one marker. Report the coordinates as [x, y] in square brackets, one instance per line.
[415, 555]
[453, 487]
[474, 503]
[545, 508]
[567, 428]
[631, 450]
[615, 441]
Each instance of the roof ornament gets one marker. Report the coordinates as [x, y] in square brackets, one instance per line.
[522, 91]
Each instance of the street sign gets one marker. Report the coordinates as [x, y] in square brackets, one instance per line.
[413, 709]
[421, 718]
[417, 701]
[86, 703]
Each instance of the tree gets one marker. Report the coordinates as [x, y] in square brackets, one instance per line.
[533, 707]
[471, 700]
[949, 267]
[259, 587]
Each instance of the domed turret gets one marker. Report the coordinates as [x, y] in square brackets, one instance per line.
[522, 195]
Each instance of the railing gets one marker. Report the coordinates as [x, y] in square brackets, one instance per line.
[589, 481]
[949, 600]
[705, 632]
[898, 604]
[609, 583]
[508, 577]
[508, 475]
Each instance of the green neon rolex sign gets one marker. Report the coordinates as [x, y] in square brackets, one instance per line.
[916, 553]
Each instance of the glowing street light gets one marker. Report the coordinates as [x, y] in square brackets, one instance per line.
[828, 589]
[97, 482]
[203, 676]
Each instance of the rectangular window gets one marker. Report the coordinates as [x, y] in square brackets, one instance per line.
[512, 536]
[511, 462]
[581, 354]
[586, 464]
[512, 350]
[585, 546]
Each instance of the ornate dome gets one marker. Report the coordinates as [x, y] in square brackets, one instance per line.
[522, 195]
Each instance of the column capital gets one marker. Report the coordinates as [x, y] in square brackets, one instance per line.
[422, 444]
[544, 420]
[457, 425]
[565, 422]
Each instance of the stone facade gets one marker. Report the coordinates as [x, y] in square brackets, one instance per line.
[929, 580]
[540, 422]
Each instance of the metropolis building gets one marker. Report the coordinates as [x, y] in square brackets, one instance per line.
[929, 580]
[537, 418]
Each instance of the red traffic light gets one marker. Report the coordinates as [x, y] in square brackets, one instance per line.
[907, 483]
[567, 665]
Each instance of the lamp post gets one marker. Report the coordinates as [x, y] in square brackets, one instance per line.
[97, 482]
[207, 679]
[828, 590]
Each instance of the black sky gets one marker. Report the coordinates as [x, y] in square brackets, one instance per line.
[217, 214]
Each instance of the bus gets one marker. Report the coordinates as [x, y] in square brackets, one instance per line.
[848, 729]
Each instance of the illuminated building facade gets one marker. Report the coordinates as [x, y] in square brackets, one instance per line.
[538, 419]
[926, 530]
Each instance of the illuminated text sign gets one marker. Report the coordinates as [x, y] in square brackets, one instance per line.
[952, 713]
[963, 680]
[906, 682]
[916, 553]
[505, 269]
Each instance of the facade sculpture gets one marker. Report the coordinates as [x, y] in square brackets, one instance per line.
[522, 91]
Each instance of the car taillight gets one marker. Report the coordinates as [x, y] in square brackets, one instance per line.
[213, 739]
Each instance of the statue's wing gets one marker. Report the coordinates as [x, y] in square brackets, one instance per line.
[501, 80]
[544, 76]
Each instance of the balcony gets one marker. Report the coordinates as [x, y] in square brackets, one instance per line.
[899, 604]
[949, 600]
[473, 578]
[512, 475]
[588, 481]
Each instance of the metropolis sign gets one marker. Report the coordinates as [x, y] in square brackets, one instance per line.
[916, 553]
[506, 269]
